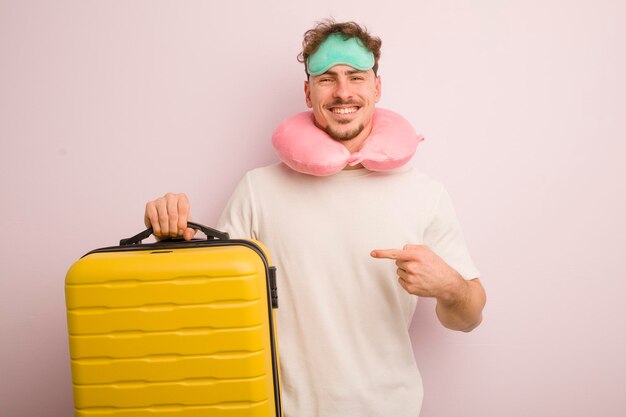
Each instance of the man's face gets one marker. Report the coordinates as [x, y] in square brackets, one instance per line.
[343, 101]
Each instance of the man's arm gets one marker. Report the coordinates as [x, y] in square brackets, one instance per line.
[463, 310]
[421, 272]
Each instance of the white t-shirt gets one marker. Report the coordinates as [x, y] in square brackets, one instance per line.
[343, 317]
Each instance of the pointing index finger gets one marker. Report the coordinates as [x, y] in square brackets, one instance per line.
[397, 254]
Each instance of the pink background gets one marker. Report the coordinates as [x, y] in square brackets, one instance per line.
[107, 104]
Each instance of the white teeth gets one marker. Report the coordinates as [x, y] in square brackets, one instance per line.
[344, 110]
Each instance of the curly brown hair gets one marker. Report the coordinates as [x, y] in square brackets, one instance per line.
[313, 38]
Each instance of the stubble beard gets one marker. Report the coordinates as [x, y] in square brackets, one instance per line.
[344, 136]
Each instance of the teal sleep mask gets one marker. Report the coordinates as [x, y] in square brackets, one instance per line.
[337, 50]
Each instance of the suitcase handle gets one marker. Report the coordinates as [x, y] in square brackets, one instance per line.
[208, 231]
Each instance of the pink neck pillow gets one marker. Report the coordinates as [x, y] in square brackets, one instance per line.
[306, 148]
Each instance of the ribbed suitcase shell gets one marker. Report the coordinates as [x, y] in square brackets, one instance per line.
[173, 330]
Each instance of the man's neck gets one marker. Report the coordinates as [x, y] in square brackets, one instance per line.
[355, 144]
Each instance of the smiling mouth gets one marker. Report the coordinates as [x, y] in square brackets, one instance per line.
[344, 110]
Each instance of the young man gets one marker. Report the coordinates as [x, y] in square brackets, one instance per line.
[345, 307]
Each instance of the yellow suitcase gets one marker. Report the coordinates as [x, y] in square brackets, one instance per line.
[174, 329]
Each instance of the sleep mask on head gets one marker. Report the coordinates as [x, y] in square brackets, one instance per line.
[336, 50]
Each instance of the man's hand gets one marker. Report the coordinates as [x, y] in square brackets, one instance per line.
[423, 273]
[168, 216]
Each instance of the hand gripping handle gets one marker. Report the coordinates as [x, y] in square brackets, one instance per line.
[208, 231]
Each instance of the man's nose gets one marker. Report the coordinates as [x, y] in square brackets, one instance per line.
[342, 89]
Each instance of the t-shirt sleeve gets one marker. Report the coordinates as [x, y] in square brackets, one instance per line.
[444, 236]
[238, 217]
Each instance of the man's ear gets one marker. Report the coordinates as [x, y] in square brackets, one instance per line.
[307, 94]
[378, 89]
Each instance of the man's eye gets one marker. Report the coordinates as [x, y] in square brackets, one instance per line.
[325, 80]
[357, 78]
